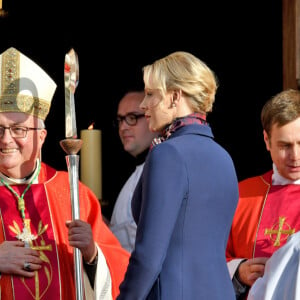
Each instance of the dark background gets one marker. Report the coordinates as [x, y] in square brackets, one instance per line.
[240, 41]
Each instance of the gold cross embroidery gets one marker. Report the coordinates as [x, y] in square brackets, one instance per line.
[278, 232]
[27, 237]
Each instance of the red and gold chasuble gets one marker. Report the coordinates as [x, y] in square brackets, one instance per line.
[47, 207]
[279, 219]
[46, 282]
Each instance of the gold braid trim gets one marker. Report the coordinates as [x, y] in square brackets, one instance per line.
[11, 100]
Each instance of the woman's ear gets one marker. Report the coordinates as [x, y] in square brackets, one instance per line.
[176, 95]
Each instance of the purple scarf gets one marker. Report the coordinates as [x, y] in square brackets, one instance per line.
[195, 118]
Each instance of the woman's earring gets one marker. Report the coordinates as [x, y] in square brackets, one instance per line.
[173, 104]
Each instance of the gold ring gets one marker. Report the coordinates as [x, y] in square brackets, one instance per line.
[27, 266]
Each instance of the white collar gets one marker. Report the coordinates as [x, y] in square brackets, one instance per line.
[10, 180]
[277, 179]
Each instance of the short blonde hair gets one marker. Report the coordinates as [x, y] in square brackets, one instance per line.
[183, 71]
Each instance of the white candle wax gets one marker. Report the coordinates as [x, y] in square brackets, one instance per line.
[90, 160]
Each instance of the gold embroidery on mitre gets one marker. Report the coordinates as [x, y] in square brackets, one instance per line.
[24, 103]
[11, 98]
[10, 72]
[279, 229]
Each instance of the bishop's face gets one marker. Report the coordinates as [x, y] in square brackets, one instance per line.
[18, 155]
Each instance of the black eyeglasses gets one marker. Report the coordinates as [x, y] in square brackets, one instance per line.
[130, 119]
[16, 131]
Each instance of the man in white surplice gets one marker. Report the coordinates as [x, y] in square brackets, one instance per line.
[136, 139]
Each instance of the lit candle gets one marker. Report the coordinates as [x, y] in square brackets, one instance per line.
[90, 160]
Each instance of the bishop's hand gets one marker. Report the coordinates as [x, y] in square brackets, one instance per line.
[14, 257]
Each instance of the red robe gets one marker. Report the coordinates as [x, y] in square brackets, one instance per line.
[48, 206]
[265, 216]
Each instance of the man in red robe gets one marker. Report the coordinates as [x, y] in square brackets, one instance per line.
[37, 233]
[268, 211]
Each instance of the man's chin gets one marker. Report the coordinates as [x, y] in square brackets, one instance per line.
[294, 174]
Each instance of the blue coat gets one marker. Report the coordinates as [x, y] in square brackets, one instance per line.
[184, 205]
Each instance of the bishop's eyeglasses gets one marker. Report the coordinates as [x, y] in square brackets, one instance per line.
[130, 119]
[16, 131]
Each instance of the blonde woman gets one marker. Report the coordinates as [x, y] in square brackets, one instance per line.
[185, 200]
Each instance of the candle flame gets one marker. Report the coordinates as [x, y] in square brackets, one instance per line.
[91, 126]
